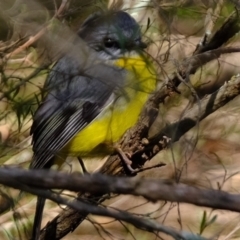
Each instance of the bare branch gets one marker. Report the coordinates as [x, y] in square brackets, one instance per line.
[96, 183]
[150, 189]
[211, 17]
[230, 27]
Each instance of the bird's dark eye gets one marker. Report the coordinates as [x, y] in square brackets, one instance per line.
[110, 43]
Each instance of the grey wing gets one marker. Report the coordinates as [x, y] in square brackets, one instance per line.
[72, 102]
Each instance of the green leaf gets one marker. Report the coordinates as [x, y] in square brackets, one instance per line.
[203, 222]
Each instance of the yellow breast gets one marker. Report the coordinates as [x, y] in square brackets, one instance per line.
[119, 116]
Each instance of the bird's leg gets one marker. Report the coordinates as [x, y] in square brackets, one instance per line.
[125, 158]
[82, 166]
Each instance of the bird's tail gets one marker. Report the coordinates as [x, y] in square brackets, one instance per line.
[38, 218]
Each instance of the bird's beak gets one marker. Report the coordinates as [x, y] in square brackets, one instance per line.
[137, 44]
[140, 44]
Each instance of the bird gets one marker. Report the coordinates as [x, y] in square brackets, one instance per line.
[86, 110]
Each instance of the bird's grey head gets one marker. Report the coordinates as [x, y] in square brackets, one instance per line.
[112, 34]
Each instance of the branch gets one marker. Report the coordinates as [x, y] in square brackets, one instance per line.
[153, 190]
[198, 112]
[229, 28]
[32, 181]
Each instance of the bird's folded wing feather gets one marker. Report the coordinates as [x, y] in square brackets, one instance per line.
[73, 101]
